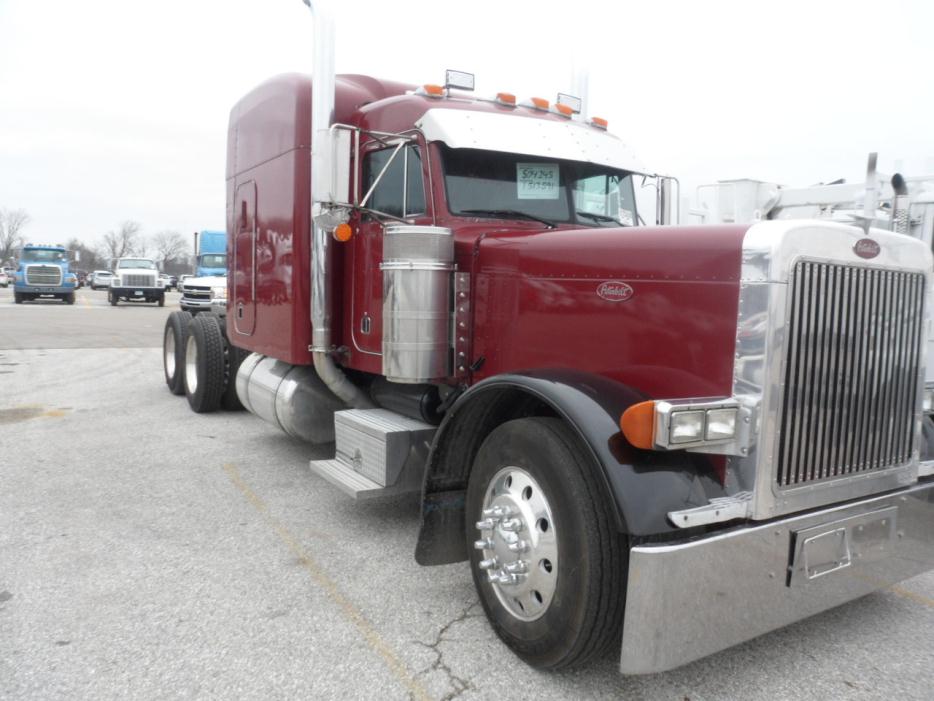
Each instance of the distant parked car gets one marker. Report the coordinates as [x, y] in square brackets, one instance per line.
[180, 286]
[4, 279]
[100, 278]
[173, 282]
[164, 281]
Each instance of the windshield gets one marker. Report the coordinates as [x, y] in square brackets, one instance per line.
[214, 260]
[510, 184]
[34, 255]
[136, 263]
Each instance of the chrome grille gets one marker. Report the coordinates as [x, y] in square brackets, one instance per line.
[138, 281]
[851, 371]
[50, 275]
[197, 292]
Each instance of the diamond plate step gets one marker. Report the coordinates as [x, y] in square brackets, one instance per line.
[378, 453]
[353, 483]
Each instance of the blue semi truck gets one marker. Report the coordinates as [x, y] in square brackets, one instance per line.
[210, 253]
[42, 271]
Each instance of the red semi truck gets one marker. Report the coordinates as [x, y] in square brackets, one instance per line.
[667, 438]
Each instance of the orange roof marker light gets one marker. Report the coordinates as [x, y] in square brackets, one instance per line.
[506, 98]
[567, 102]
[599, 122]
[564, 110]
[431, 90]
[539, 103]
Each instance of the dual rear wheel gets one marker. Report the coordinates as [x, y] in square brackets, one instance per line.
[200, 362]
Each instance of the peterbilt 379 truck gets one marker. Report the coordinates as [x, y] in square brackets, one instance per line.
[43, 271]
[669, 438]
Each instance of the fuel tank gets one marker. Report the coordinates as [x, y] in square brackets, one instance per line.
[291, 397]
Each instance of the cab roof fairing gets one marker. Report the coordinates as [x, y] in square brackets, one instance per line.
[565, 140]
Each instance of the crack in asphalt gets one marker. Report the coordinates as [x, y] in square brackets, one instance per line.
[458, 684]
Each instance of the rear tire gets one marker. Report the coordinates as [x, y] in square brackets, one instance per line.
[568, 608]
[173, 351]
[204, 364]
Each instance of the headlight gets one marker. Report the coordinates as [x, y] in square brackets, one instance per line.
[710, 425]
[114, 282]
[219, 293]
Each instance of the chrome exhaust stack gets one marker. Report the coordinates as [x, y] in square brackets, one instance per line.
[322, 115]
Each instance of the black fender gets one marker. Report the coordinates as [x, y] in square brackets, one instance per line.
[644, 485]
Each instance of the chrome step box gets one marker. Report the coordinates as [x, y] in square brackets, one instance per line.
[378, 453]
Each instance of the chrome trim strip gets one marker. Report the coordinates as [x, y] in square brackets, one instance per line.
[739, 581]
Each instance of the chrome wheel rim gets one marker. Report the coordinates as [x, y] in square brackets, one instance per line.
[191, 365]
[168, 353]
[519, 544]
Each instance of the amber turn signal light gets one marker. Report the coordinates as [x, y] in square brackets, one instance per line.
[343, 232]
[433, 90]
[540, 103]
[564, 109]
[638, 424]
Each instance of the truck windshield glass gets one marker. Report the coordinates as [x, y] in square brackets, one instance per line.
[480, 181]
[35, 255]
[214, 260]
[136, 263]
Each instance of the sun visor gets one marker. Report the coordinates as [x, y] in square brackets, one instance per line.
[565, 140]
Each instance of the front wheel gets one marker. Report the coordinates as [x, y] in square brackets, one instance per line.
[69, 298]
[174, 341]
[546, 557]
[17, 298]
[161, 300]
[112, 298]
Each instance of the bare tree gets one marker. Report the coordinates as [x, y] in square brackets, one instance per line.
[12, 222]
[169, 246]
[123, 242]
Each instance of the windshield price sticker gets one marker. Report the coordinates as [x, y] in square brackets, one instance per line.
[537, 181]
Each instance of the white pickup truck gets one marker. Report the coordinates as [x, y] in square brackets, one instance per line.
[136, 280]
[205, 294]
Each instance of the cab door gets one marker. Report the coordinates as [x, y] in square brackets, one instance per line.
[244, 258]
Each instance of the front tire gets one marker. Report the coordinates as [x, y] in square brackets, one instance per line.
[112, 298]
[161, 300]
[69, 298]
[556, 597]
[204, 364]
[17, 297]
[174, 340]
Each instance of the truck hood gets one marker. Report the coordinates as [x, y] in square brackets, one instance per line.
[207, 281]
[699, 253]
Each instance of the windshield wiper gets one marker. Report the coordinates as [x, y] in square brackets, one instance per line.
[509, 213]
[600, 217]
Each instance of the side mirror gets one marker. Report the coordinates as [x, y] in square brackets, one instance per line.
[341, 153]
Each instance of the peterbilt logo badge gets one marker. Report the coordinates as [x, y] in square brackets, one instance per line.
[614, 291]
[866, 248]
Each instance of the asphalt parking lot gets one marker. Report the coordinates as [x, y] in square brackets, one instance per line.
[149, 552]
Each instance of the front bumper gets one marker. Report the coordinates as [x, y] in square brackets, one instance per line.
[218, 306]
[44, 289]
[691, 600]
[149, 293]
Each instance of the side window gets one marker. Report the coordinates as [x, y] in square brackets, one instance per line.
[401, 191]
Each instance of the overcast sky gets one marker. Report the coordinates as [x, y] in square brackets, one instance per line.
[117, 109]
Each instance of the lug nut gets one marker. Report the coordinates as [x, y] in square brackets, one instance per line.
[486, 524]
[504, 578]
[487, 564]
[497, 512]
[517, 567]
[512, 524]
[520, 546]
[485, 544]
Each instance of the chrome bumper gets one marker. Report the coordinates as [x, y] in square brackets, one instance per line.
[691, 600]
[218, 306]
